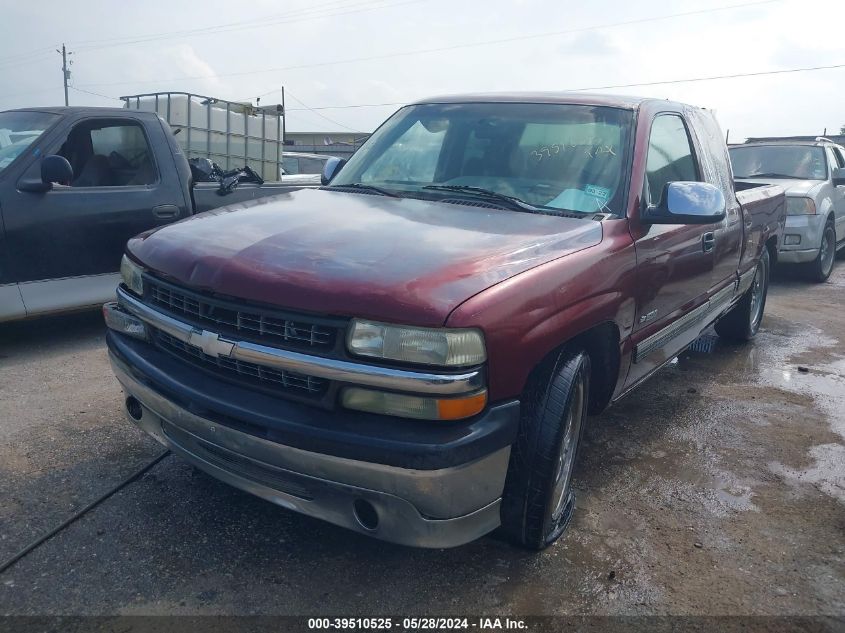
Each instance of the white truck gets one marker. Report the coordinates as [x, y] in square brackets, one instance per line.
[813, 174]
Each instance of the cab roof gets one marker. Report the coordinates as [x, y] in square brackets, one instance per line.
[568, 98]
[78, 110]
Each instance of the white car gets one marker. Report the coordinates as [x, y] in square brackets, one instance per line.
[299, 168]
[813, 174]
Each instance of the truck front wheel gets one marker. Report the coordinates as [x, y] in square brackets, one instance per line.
[743, 321]
[537, 503]
[821, 267]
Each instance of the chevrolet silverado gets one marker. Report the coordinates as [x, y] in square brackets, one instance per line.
[412, 350]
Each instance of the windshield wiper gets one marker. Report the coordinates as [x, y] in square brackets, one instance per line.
[771, 175]
[479, 192]
[364, 187]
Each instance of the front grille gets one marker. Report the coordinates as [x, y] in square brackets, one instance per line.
[274, 380]
[247, 322]
[275, 478]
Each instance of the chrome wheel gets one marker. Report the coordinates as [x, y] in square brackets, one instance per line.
[758, 292]
[827, 252]
[568, 449]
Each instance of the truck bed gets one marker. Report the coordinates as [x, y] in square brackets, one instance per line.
[763, 214]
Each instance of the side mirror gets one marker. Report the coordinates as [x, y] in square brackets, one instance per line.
[839, 177]
[687, 203]
[330, 169]
[54, 169]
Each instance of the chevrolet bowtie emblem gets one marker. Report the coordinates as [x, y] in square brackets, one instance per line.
[210, 343]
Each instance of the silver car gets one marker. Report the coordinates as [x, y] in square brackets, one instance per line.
[299, 168]
[813, 174]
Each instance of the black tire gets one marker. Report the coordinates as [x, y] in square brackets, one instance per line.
[743, 321]
[537, 503]
[820, 268]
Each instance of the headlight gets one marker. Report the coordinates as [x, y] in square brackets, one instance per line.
[131, 273]
[419, 407]
[800, 206]
[425, 346]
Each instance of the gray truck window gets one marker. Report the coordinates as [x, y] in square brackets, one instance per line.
[670, 156]
[838, 156]
[18, 131]
[109, 154]
[799, 162]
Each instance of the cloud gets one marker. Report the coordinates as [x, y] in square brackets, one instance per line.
[588, 44]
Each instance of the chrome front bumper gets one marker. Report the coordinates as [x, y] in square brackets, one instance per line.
[809, 229]
[424, 508]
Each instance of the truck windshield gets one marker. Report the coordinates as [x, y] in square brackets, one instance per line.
[798, 162]
[19, 130]
[550, 156]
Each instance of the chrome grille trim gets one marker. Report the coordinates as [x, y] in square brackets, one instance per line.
[467, 381]
[228, 317]
[265, 376]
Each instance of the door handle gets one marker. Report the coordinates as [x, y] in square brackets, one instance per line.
[166, 211]
[708, 241]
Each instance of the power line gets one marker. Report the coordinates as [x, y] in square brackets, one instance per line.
[96, 94]
[263, 19]
[40, 57]
[694, 79]
[322, 116]
[38, 51]
[315, 13]
[605, 87]
[451, 47]
[609, 87]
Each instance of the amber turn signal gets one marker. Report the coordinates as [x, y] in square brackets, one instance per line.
[459, 408]
[408, 406]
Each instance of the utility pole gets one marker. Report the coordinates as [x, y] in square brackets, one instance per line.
[65, 71]
[284, 118]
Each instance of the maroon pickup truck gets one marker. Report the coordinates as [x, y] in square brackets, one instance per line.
[411, 350]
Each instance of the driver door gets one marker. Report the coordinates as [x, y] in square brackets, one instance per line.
[80, 230]
[65, 245]
[674, 261]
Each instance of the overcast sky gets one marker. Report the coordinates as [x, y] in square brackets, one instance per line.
[354, 52]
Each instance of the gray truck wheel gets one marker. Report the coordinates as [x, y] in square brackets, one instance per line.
[537, 503]
[821, 267]
[743, 321]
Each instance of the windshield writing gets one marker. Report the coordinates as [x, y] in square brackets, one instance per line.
[552, 156]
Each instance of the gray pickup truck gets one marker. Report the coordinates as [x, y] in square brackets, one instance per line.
[813, 174]
[75, 185]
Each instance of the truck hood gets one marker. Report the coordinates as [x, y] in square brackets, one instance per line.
[794, 188]
[401, 260]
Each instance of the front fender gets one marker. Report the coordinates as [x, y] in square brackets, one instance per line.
[526, 317]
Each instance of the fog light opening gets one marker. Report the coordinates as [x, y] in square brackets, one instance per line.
[366, 514]
[134, 409]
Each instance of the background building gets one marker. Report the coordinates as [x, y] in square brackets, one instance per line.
[341, 144]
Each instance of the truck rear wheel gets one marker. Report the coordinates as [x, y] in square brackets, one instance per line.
[821, 267]
[743, 321]
[537, 503]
